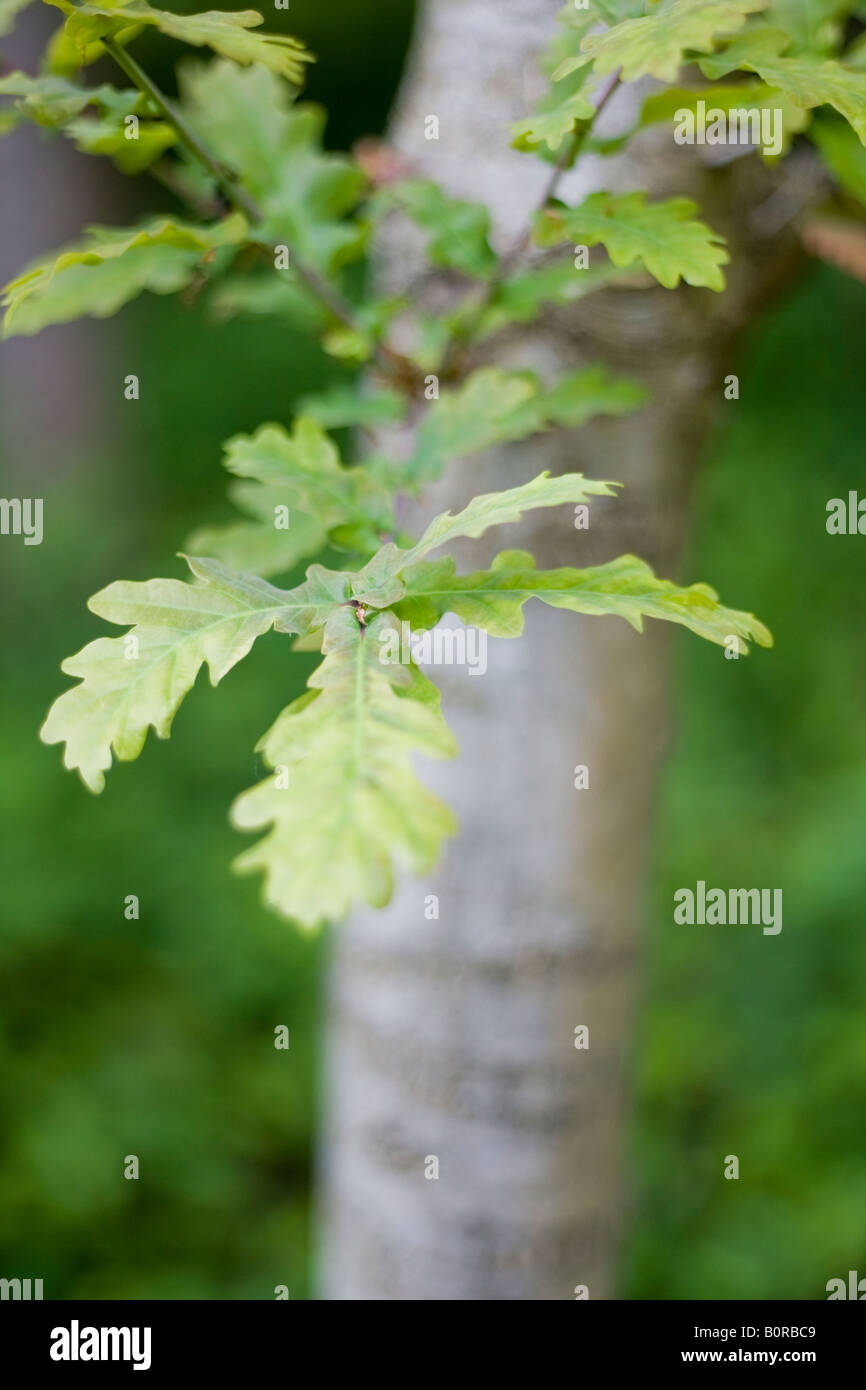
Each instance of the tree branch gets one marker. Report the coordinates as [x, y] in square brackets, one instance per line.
[393, 363]
[571, 151]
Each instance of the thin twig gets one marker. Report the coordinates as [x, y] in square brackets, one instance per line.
[233, 190]
[512, 255]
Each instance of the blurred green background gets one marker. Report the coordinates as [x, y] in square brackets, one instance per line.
[155, 1037]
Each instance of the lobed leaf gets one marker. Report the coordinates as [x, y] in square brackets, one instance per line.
[52, 100]
[305, 194]
[665, 237]
[226, 32]
[303, 470]
[807, 79]
[345, 801]
[494, 406]
[128, 684]
[343, 407]
[260, 546]
[378, 583]
[656, 44]
[110, 267]
[494, 599]
[816, 25]
[577, 397]
[520, 298]
[458, 232]
[553, 120]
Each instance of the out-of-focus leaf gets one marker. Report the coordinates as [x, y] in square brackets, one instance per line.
[261, 546]
[656, 44]
[303, 470]
[739, 97]
[458, 232]
[229, 33]
[343, 407]
[520, 298]
[665, 237]
[111, 266]
[807, 79]
[305, 194]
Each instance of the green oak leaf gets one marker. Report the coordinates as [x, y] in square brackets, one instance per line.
[473, 417]
[808, 80]
[740, 96]
[111, 266]
[566, 102]
[816, 25]
[378, 583]
[553, 121]
[128, 684]
[563, 57]
[262, 545]
[108, 136]
[758, 41]
[494, 406]
[494, 599]
[458, 232]
[343, 407]
[520, 298]
[656, 44]
[273, 293]
[578, 397]
[51, 100]
[344, 801]
[665, 237]
[229, 33]
[303, 470]
[305, 194]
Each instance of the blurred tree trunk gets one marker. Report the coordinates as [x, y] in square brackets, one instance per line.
[455, 1038]
[52, 387]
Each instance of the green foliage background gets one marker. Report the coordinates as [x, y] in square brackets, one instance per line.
[156, 1037]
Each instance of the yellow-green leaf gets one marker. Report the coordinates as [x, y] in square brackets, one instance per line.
[665, 237]
[344, 801]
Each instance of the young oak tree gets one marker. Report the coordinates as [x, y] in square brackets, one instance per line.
[272, 225]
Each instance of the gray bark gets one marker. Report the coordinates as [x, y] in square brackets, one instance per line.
[454, 1037]
[51, 386]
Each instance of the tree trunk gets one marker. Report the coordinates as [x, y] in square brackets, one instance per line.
[454, 1038]
[52, 396]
